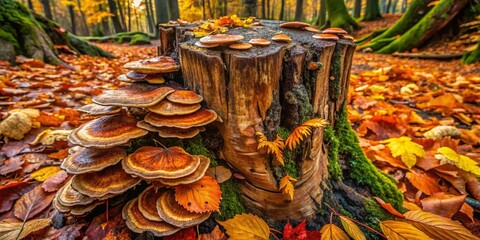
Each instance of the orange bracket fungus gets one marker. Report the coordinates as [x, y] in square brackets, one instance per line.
[90, 160]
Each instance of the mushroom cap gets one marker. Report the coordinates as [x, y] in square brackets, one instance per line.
[220, 39]
[259, 42]
[138, 223]
[325, 36]
[111, 180]
[160, 64]
[199, 118]
[154, 162]
[335, 31]
[95, 109]
[133, 95]
[69, 197]
[155, 79]
[294, 24]
[123, 78]
[91, 160]
[172, 212]
[313, 29]
[168, 108]
[240, 46]
[147, 203]
[185, 97]
[135, 76]
[77, 209]
[347, 36]
[203, 45]
[195, 176]
[281, 38]
[106, 132]
[171, 132]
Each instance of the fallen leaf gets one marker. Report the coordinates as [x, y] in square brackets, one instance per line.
[440, 132]
[246, 226]
[43, 173]
[220, 173]
[11, 230]
[332, 232]
[201, 196]
[68, 232]
[49, 136]
[184, 234]
[424, 181]
[295, 233]
[388, 207]
[287, 186]
[401, 230]
[406, 149]
[461, 161]
[16, 125]
[216, 234]
[411, 206]
[11, 165]
[438, 227]
[55, 182]
[11, 192]
[442, 204]
[32, 203]
[352, 229]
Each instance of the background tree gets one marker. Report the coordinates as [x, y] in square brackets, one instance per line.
[372, 11]
[338, 15]
[46, 9]
[113, 10]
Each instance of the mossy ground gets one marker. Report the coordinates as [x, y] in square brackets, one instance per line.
[231, 203]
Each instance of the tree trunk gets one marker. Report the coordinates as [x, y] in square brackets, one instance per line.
[264, 15]
[299, 10]
[394, 6]
[54, 10]
[282, 11]
[270, 90]
[387, 8]
[129, 15]
[322, 16]
[404, 6]
[113, 10]
[34, 36]
[173, 11]
[46, 9]
[338, 15]
[122, 15]
[30, 5]
[149, 20]
[431, 23]
[372, 11]
[71, 11]
[105, 27]
[357, 8]
[250, 7]
[161, 7]
[84, 18]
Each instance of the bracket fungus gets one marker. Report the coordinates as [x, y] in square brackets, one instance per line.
[281, 38]
[294, 24]
[326, 36]
[106, 132]
[203, 45]
[91, 160]
[259, 42]
[147, 203]
[154, 162]
[220, 39]
[161, 64]
[138, 223]
[95, 109]
[69, 200]
[111, 180]
[193, 177]
[240, 46]
[134, 95]
[335, 31]
[168, 108]
[172, 212]
[199, 118]
[185, 97]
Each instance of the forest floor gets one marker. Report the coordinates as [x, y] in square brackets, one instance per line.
[389, 97]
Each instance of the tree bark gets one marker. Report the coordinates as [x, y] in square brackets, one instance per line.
[122, 15]
[149, 21]
[250, 7]
[338, 15]
[372, 11]
[173, 11]
[299, 10]
[161, 7]
[282, 11]
[269, 89]
[116, 22]
[357, 8]
[84, 18]
[46, 9]
[72, 18]
[322, 16]
[30, 5]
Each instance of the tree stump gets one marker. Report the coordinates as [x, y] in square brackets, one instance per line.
[274, 89]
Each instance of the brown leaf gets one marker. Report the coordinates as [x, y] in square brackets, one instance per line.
[332, 232]
[401, 230]
[11, 192]
[11, 165]
[55, 182]
[13, 230]
[216, 234]
[424, 181]
[67, 232]
[32, 203]
[443, 204]
[246, 226]
[388, 207]
[220, 173]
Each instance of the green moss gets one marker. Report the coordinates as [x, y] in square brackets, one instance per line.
[335, 72]
[361, 170]
[195, 146]
[231, 203]
[290, 164]
[139, 39]
[334, 168]
[375, 213]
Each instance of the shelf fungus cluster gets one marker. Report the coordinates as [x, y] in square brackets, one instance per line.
[102, 169]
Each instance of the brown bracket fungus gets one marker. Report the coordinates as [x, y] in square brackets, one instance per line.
[203, 45]
[241, 46]
[134, 95]
[138, 223]
[95, 109]
[147, 203]
[220, 39]
[294, 24]
[184, 97]
[335, 31]
[106, 132]
[326, 36]
[195, 176]
[199, 118]
[69, 197]
[91, 160]
[111, 180]
[161, 64]
[168, 108]
[281, 38]
[154, 162]
[259, 42]
[172, 212]
[171, 132]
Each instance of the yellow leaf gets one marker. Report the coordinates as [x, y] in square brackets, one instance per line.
[49, 136]
[246, 226]
[332, 232]
[304, 130]
[433, 3]
[352, 229]
[274, 148]
[438, 227]
[287, 187]
[406, 149]
[461, 161]
[10, 229]
[401, 230]
[43, 173]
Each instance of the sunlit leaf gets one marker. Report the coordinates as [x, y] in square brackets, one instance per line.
[332, 232]
[303, 131]
[352, 229]
[461, 161]
[44, 173]
[401, 231]
[274, 148]
[287, 186]
[201, 196]
[245, 227]
[406, 149]
[10, 229]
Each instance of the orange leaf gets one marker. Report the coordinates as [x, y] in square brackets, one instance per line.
[185, 234]
[401, 230]
[287, 187]
[332, 232]
[216, 234]
[304, 130]
[424, 181]
[246, 226]
[274, 148]
[201, 196]
[389, 207]
[442, 204]
[32, 203]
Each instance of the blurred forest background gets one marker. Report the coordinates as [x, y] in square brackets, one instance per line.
[106, 17]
